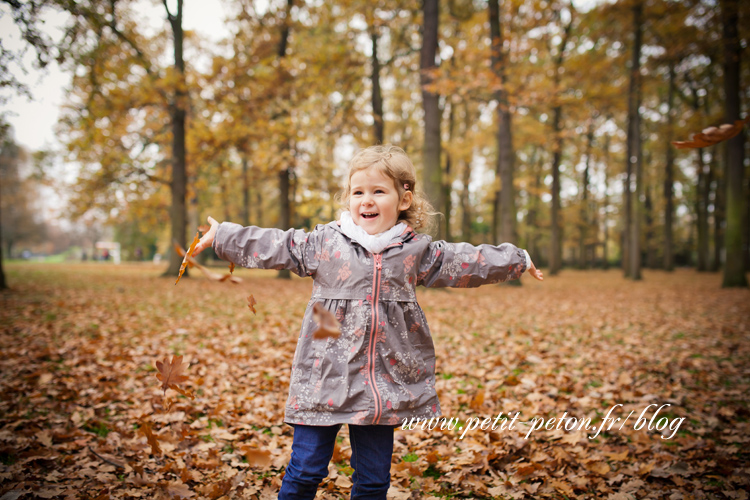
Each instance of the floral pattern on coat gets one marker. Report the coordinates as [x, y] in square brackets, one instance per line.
[381, 369]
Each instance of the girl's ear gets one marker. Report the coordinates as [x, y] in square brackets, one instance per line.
[406, 200]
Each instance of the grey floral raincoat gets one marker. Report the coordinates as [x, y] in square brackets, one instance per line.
[381, 369]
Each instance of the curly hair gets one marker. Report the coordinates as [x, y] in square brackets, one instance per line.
[393, 162]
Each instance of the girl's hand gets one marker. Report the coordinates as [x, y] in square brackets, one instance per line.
[535, 272]
[208, 238]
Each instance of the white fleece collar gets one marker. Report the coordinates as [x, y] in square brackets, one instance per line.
[374, 243]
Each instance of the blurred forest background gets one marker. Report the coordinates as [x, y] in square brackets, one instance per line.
[547, 123]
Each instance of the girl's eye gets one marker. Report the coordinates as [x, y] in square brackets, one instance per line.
[357, 192]
[379, 191]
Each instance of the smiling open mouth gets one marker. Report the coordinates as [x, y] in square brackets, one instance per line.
[368, 215]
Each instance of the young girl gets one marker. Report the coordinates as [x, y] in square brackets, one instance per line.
[365, 267]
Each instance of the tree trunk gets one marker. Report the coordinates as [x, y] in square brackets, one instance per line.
[734, 269]
[285, 214]
[3, 283]
[605, 228]
[719, 193]
[669, 177]
[377, 97]
[447, 184]
[466, 180]
[245, 212]
[431, 166]
[584, 213]
[177, 112]
[701, 210]
[634, 159]
[650, 247]
[556, 223]
[505, 210]
[532, 231]
[555, 257]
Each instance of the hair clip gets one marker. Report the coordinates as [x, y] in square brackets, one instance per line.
[406, 186]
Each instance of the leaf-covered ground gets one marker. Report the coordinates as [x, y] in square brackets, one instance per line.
[82, 414]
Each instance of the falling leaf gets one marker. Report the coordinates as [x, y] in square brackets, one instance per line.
[251, 303]
[328, 326]
[713, 135]
[147, 431]
[188, 254]
[206, 272]
[231, 267]
[170, 373]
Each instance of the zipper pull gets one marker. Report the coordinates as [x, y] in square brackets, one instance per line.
[379, 261]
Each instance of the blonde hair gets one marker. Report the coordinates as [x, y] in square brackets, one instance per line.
[393, 162]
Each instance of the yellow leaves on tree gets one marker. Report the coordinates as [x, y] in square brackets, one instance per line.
[328, 325]
[713, 135]
[170, 375]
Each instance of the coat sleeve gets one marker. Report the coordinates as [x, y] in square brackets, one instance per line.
[464, 265]
[268, 248]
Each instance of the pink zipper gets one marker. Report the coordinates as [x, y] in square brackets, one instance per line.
[377, 267]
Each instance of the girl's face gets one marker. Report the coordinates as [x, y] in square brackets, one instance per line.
[374, 202]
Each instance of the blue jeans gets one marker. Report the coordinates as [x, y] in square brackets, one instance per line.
[312, 449]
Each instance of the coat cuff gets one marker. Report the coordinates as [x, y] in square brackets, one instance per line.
[528, 260]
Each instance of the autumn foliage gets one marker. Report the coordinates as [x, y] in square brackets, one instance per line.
[83, 414]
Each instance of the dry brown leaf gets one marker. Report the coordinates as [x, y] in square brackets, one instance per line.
[147, 431]
[45, 438]
[188, 254]
[713, 135]
[170, 373]
[214, 490]
[206, 272]
[562, 487]
[617, 457]
[477, 401]
[257, 458]
[343, 482]
[180, 490]
[251, 303]
[328, 325]
[337, 455]
[600, 468]
[231, 267]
